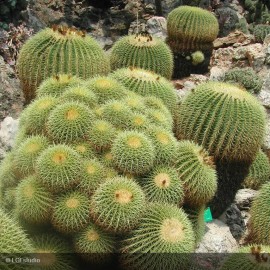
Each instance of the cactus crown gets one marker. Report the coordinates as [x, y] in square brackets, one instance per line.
[62, 30]
[191, 28]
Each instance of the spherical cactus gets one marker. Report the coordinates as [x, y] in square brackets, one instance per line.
[33, 202]
[259, 223]
[56, 85]
[163, 185]
[158, 118]
[138, 121]
[93, 174]
[251, 257]
[261, 31]
[197, 58]
[222, 118]
[101, 135]
[117, 205]
[94, 244]
[81, 94]
[142, 51]
[84, 149]
[27, 153]
[163, 240]
[136, 102]
[53, 252]
[245, 77]
[147, 83]
[13, 238]
[133, 152]
[71, 212]
[69, 122]
[35, 115]
[106, 88]
[59, 50]
[197, 172]
[191, 28]
[59, 167]
[259, 172]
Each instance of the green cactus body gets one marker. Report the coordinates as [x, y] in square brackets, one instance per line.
[35, 115]
[259, 172]
[93, 174]
[106, 88]
[251, 257]
[147, 83]
[27, 153]
[136, 102]
[138, 121]
[84, 149]
[54, 252]
[94, 245]
[101, 135]
[56, 85]
[163, 185]
[81, 94]
[117, 205]
[9, 197]
[13, 238]
[197, 58]
[260, 217]
[59, 168]
[71, 212]
[133, 152]
[191, 28]
[222, 118]
[142, 51]
[33, 202]
[261, 31]
[56, 51]
[197, 172]
[158, 118]
[245, 77]
[69, 122]
[163, 240]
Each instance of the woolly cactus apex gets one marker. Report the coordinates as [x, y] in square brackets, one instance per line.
[106, 88]
[260, 217]
[191, 28]
[55, 51]
[163, 185]
[147, 83]
[259, 172]
[94, 245]
[84, 149]
[56, 85]
[261, 31]
[164, 239]
[245, 77]
[13, 238]
[27, 153]
[133, 152]
[69, 122]
[251, 257]
[142, 51]
[117, 205]
[33, 201]
[59, 167]
[54, 252]
[222, 118]
[33, 118]
[197, 172]
[71, 212]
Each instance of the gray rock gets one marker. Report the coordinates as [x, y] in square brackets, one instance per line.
[167, 5]
[216, 73]
[157, 26]
[8, 131]
[244, 198]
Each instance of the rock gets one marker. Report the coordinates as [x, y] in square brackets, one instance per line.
[157, 26]
[8, 131]
[166, 5]
[264, 97]
[232, 38]
[266, 145]
[256, 56]
[11, 95]
[217, 73]
[244, 198]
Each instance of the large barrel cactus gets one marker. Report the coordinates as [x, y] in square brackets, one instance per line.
[142, 51]
[58, 50]
[191, 30]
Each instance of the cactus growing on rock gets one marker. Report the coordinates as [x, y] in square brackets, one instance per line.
[142, 51]
[58, 50]
[260, 31]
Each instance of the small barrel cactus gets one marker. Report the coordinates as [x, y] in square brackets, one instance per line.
[245, 77]
[58, 50]
[142, 51]
[260, 31]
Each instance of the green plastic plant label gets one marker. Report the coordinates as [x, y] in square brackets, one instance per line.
[208, 215]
